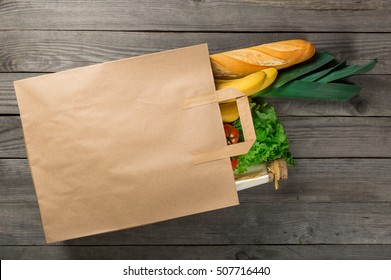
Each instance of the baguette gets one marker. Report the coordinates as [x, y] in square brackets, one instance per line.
[242, 62]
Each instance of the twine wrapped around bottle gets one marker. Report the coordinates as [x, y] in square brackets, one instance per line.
[277, 171]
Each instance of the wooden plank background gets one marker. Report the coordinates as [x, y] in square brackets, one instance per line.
[337, 201]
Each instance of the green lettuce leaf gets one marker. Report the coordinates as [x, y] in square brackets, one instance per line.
[271, 142]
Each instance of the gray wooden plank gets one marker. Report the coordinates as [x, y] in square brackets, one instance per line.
[250, 223]
[338, 136]
[372, 101]
[8, 103]
[312, 180]
[11, 137]
[241, 15]
[51, 51]
[329, 180]
[15, 181]
[222, 252]
[310, 137]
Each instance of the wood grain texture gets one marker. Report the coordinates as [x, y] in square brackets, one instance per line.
[51, 51]
[312, 180]
[222, 252]
[372, 101]
[244, 15]
[250, 223]
[319, 137]
[11, 137]
[338, 136]
[8, 104]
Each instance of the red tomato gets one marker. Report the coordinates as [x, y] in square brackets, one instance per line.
[231, 133]
[234, 162]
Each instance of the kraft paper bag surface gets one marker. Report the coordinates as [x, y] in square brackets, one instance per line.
[110, 146]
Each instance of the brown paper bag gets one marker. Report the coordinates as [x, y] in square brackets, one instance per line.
[128, 143]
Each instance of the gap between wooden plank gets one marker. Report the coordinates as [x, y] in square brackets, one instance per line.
[196, 31]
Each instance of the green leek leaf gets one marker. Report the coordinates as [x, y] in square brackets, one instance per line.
[314, 90]
[347, 71]
[317, 75]
[314, 63]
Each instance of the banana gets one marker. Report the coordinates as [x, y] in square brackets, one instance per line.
[252, 83]
[249, 85]
[229, 112]
[271, 75]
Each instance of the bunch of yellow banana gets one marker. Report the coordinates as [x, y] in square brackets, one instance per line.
[249, 85]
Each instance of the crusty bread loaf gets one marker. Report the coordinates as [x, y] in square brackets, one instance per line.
[241, 62]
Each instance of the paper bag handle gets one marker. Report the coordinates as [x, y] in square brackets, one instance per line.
[246, 122]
